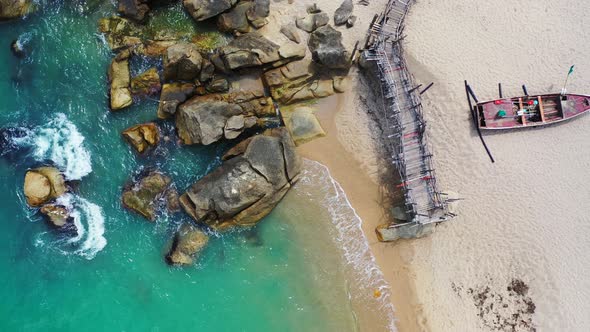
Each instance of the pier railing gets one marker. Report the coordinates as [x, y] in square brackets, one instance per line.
[403, 123]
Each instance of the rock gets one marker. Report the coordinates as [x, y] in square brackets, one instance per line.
[58, 215]
[134, 9]
[326, 48]
[17, 49]
[386, 233]
[142, 136]
[43, 184]
[146, 83]
[142, 196]
[290, 32]
[258, 13]
[302, 124]
[12, 9]
[294, 83]
[203, 9]
[341, 83]
[234, 126]
[254, 177]
[313, 21]
[182, 61]
[188, 241]
[218, 84]
[207, 70]
[313, 9]
[172, 200]
[253, 49]
[173, 94]
[119, 78]
[351, 21]
[235, 19]
[203, 119]
[292, 51]
[343, 12]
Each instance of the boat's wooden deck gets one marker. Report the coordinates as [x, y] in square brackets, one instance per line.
[530, 111]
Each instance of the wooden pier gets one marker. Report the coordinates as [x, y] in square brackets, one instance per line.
[404, 127]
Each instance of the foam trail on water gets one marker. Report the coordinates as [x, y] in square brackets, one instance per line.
[61, 142]
[352, 241]
[89, 221]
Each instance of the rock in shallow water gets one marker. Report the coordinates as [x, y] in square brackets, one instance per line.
[58, 215]
[134, 9]
[142, 195]
[187, 243]
[146, 83]
[120, 78]
[255, 176]
[142, 136]
[43, 184]
[12, 9]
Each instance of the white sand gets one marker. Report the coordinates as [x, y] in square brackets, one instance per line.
[526, 215]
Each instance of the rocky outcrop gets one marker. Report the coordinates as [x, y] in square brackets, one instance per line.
[253, 49]
[302, 124]
[43, 184]
[343, 12]
[235, 20]
[120, 78]
[182, 62]
[326, 48]
[57, 215]
[258, 13]
[312, 21]
[134, 9]
[143, 195]
[218, 84]
[12, 9]
[187, 243]
[142, 136]
[254, 177]
[203, 9]
[172, 95]
[290, 32]
[207, 119]
[146, 83]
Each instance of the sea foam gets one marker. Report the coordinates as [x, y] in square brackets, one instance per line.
[365, 277]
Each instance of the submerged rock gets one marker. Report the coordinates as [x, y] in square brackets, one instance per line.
[326, 48]
[43, 184]
[182, 61]
[17, 49]
[142, 136]
[12, 9]
[343, 12]
[146, 83]
[57, 215]
[142, 195]
[254, 177]
[204, 119]
[203, 9]
[187, 243]
[172, 95]
[120, 78]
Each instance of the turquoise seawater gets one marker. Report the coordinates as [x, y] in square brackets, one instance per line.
[287, 274]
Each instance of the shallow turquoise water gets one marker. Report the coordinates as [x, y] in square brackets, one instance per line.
[113, 278]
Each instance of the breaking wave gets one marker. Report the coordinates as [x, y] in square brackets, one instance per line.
[367, 284]
[61, 142]
[88, 220]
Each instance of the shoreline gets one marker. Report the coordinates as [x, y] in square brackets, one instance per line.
[337, 114]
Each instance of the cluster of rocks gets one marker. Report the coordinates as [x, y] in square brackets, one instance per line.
[235, 16]
[42, 186]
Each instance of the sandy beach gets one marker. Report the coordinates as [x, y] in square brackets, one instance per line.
[516, 258]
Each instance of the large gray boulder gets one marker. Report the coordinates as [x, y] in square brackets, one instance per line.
[326, 48]
[209, 118]
[255, 176]
[253, 49]
[182, 62]
[312, 21]
[203, 9]
[343, 12]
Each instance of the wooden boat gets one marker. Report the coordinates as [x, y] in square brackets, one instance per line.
[530, 111]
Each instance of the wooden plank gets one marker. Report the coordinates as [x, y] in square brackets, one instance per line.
[521, 109]
[541, 109]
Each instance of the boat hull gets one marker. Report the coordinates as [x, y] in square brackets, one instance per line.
[530, 111]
